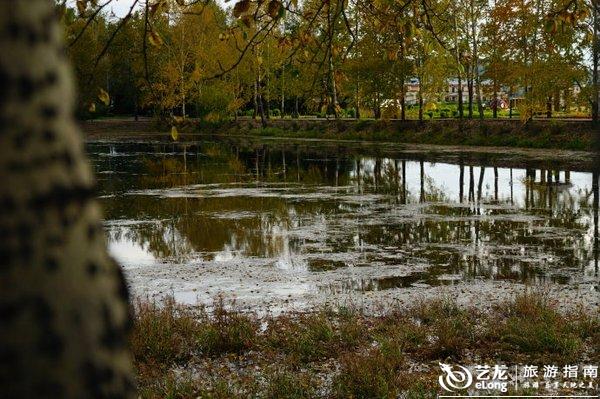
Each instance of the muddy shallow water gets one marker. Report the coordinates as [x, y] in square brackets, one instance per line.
[292, 225]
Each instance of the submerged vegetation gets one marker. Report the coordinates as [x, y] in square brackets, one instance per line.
[220, 352]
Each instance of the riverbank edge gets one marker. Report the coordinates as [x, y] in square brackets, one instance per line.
[220, 352]
[547, 134]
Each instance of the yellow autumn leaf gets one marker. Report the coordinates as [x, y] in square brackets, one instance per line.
[154, 8]
[81, 6]
[155, 39]
[247, 21]
[104, 97]
[196, 74]
[430, 106]
[273, 8]
[241, 7]
[174, 133]
[92, 107]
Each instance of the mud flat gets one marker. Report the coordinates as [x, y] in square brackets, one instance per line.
[268, 292]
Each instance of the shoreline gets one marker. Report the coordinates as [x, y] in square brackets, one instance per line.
[576, 135]
[342, 352]
[192, 137]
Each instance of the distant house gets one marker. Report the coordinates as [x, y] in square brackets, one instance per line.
[504, 99]
[412, 92]
[452, 93]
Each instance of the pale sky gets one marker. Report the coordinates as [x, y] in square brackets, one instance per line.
[121, 7]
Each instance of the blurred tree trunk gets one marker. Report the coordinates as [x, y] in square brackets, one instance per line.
[64, 306]
[596, 61]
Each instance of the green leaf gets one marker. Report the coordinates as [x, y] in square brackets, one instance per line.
[550, 25]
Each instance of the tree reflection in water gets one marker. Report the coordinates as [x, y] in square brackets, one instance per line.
[317, 208]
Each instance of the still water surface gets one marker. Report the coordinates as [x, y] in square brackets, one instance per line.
[405, 218]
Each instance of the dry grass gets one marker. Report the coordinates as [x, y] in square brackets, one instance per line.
[530, 328]
[183, 352]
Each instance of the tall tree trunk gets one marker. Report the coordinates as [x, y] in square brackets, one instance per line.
[255, 100]
[182, 63]
[296, 111]
[261, 109]
[461, 111]
[282, 110]
[357, 101]
[476, 61]
[470, 88]
[182, 99]
[495, 100]
[64, 300]
[461, 182]
[459, 69]
[420, 95]
[510, 103]
[333, 100]
[260, 101]
[266, 99]
[403, 102]
[331, 20]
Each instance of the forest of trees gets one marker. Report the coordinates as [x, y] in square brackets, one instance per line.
[343, 58]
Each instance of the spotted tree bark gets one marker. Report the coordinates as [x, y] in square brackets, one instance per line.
[63, 302]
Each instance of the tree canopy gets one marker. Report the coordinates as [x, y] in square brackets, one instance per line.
[382, 58]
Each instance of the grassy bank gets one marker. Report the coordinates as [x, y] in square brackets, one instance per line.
[501, 133]
[574, 135]
[183, 352]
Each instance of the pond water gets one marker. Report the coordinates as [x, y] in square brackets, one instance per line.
[295, 221]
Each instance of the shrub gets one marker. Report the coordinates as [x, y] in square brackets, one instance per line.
[288, 385]
[370, 375]
[163, 334]
[226, 331]
[532, 325]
